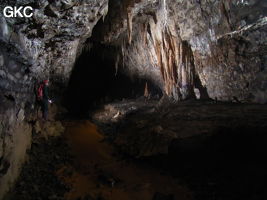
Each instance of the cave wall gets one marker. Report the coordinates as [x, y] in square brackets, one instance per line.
[14, 141]
[209, 49]
[33, 49]
[50, 40]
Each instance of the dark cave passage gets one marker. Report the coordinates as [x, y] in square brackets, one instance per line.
[95, 81]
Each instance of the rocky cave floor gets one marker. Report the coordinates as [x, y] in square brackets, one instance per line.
[145, 149]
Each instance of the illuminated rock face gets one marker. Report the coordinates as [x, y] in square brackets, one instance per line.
[218, 47]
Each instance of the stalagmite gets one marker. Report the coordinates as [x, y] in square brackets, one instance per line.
[146, 93]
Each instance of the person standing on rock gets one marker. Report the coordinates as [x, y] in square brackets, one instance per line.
[43, 98]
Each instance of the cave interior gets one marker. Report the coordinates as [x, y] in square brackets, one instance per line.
[151, 100]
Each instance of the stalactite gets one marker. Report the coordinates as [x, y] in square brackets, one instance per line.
[129, 26]
[168, 64]
[158, 53]
[175, 59]
[105, 12]
[144, 34]
[117, 64]
[123, 53]
[187, 70]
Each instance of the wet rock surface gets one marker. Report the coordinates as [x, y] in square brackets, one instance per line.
[157, 155]
[216, 149]
[38, 178]
[81, 165]
[149, 128]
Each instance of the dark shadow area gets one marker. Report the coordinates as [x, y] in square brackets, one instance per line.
[94, 81]
[227, 166]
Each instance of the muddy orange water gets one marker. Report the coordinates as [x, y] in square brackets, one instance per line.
[97, 171]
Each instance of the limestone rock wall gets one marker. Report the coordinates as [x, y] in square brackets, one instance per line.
[209, 49]
[32, 49]
[50, 40]
[14, 141]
